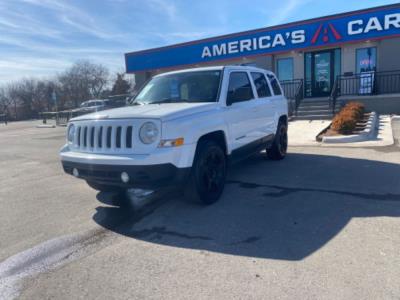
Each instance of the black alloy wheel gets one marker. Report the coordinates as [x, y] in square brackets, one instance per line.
[279, 147]
[208, 174]
[283, 140]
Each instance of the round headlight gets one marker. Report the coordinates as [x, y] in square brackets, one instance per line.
[71, 133]
[148, 133]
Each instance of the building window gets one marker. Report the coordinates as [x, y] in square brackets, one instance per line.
[337, 59]
[285, 68]
[308, 74]
[366, 60]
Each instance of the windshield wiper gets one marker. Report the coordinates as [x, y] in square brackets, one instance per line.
[168, 100]
[164, 100]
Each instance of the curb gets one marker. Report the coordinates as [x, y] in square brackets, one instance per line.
[366, 134]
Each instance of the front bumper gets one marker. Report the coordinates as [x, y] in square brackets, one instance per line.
[147, 177]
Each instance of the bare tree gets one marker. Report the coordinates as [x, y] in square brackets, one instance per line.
[26, 98]
[13, 92]
[5, 101]
[121, 85]
[83, 81]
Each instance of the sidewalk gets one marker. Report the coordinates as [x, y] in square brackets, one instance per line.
[303, 133]
[396, 130]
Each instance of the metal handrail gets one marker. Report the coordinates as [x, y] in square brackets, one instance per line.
[299, 95]
[334, 94]
[365, 84]
[294, 91]
[370, 83]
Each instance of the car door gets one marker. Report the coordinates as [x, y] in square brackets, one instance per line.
[264, 103]
[240, 111]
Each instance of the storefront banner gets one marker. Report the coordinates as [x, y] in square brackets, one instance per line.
[352, 27]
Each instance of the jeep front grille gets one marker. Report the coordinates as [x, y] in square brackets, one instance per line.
[103, 138]
[111, 136]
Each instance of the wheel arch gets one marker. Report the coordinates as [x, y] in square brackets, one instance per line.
[284, 119]
[217, 136]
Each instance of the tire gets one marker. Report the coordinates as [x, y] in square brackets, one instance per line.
[104, 188]
[278, 149]
[207, 178]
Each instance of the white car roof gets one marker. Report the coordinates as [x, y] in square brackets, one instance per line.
[216, 68]
[94, 100]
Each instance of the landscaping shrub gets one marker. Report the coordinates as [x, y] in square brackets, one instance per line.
[346, 120]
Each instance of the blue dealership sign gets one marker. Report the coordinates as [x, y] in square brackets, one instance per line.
[378, 23]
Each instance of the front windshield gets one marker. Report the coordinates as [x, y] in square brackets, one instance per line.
[197, 86]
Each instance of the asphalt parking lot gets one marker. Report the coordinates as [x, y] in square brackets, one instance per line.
[321, 224]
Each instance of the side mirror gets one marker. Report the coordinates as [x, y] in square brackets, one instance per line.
[238, 95]
[230, 98]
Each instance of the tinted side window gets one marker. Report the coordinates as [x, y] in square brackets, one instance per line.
[239, 88]
[261, 85]
[274, 84]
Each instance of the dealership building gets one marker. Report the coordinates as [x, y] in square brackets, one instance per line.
[353, 55]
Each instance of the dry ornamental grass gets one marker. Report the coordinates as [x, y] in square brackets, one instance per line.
[346, 120]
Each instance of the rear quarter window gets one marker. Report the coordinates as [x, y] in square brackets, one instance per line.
[260, 82]
[274, 84]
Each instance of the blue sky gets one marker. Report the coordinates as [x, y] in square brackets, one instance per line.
[39, 38]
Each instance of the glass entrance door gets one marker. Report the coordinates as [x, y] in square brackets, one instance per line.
[320, 70]
[322, 73]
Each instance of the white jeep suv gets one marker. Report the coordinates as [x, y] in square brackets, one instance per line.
[182, 129]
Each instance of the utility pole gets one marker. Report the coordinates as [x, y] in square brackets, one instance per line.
[54, 98]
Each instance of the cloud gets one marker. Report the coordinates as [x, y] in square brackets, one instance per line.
[164, 7]
[8, 23]
[21, 67]
[25, 25]
[89, 28]
[75, 17]
[40, 37]
[54, 5]
[184, 36]
[284, 10]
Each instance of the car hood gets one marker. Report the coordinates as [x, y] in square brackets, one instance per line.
[164, 111]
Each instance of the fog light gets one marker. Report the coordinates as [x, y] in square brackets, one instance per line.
[75, 172]
[124, 177]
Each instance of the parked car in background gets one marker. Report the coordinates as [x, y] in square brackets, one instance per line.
[94, 105]
[115, 101]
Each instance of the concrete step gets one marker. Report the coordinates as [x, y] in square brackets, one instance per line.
[313, 117]
[313, 107]
[303, 114]
[314, 112]
[315, 100]
[318, 107]
[324, 103]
